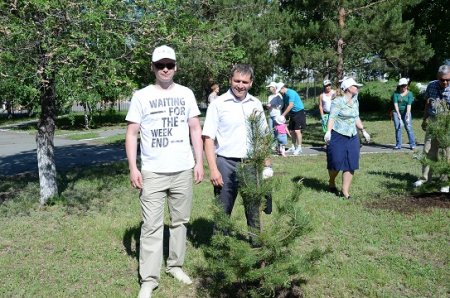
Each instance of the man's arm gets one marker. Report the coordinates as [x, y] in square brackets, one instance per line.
[288, 108]
[210, 148]
[131, 150]
[195, 130]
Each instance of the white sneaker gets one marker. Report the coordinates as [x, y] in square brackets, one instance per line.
[292, 149]
[297, 151]
[147, 289]
[445, 189]
[179, 274]
[419, 183]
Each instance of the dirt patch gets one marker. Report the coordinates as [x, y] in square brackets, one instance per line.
[419, 203]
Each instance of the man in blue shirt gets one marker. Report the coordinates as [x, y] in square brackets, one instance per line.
[295, 109]
[434, 96]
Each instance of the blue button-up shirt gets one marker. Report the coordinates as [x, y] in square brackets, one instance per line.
[345, 115]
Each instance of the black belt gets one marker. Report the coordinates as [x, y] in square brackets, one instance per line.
[236, 159]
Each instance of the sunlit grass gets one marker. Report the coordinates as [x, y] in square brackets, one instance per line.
[85, 243]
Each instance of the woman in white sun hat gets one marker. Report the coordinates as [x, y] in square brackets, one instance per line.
[403, 99]
[342, 137]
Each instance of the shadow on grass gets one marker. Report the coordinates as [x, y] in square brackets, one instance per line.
[200, 232]
[312, 183]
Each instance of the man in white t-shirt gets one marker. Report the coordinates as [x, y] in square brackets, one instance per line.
[225, 137]
[165, 115]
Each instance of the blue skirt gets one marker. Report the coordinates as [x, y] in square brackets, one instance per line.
[343, 152]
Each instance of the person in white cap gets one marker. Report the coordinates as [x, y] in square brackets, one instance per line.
[165, 115]
[342, 137]
[325, 99]
[437, 92]
[281, 134]
[274, 104]
[403, 99]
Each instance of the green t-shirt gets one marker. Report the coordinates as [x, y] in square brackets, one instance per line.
[403, 101]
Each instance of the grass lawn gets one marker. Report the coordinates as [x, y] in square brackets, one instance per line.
[385, 243]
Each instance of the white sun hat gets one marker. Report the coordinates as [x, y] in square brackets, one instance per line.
[348, 82]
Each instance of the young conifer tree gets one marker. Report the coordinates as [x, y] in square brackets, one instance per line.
[439, 129]
[264, 262]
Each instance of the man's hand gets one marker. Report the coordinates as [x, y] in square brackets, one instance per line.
[198, 173]
[136, 179]
[216, 178]
[327, 137]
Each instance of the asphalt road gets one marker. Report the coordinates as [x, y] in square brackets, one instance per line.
[18, 152]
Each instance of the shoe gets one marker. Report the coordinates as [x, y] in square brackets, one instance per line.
[297, 151]
[333, 189]
[179, 275]
[397, 148]
[419, 183]
[349, 197]
[147, 289]
[412, 147]
[445, 189]
[292, 149]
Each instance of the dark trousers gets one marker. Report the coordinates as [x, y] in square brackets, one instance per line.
[228, 192]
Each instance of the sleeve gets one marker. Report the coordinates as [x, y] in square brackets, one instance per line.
[193, 107]
[410, 98]
[210, 125]
[135, 110]
[394, 98]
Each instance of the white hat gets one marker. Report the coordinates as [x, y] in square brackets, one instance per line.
[279, 86]
[348, 82]
[272, 84]
[402, 81]
[326, 82]
[163, 52]
[280, 119]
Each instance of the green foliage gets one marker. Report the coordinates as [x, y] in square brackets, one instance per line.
[376, 96]
[267, 264]
[439, 129]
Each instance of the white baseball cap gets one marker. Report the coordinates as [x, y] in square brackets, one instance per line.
[163, 52]
[272, 84]
[402, 81]
[326, 82]
[280, 119]
[348, 82]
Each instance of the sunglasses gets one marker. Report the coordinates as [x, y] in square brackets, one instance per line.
[445, 80]
[161, 66]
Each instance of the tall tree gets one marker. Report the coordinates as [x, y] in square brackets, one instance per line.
[57, 48]
[353, 35]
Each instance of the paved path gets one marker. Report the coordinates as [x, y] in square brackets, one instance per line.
[18, 151]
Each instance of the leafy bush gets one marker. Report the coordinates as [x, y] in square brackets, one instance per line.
[376, 96]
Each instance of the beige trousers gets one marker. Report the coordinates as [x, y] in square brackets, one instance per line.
[177, 188]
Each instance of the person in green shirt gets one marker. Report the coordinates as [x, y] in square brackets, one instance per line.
[403, 99]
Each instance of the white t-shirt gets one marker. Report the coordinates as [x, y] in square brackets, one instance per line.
[226, 123]
[163, 117]
[326, 101]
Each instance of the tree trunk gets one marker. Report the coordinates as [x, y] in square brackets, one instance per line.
[44, 140]
[340, 44]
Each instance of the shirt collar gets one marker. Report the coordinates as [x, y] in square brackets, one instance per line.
[231, 97]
